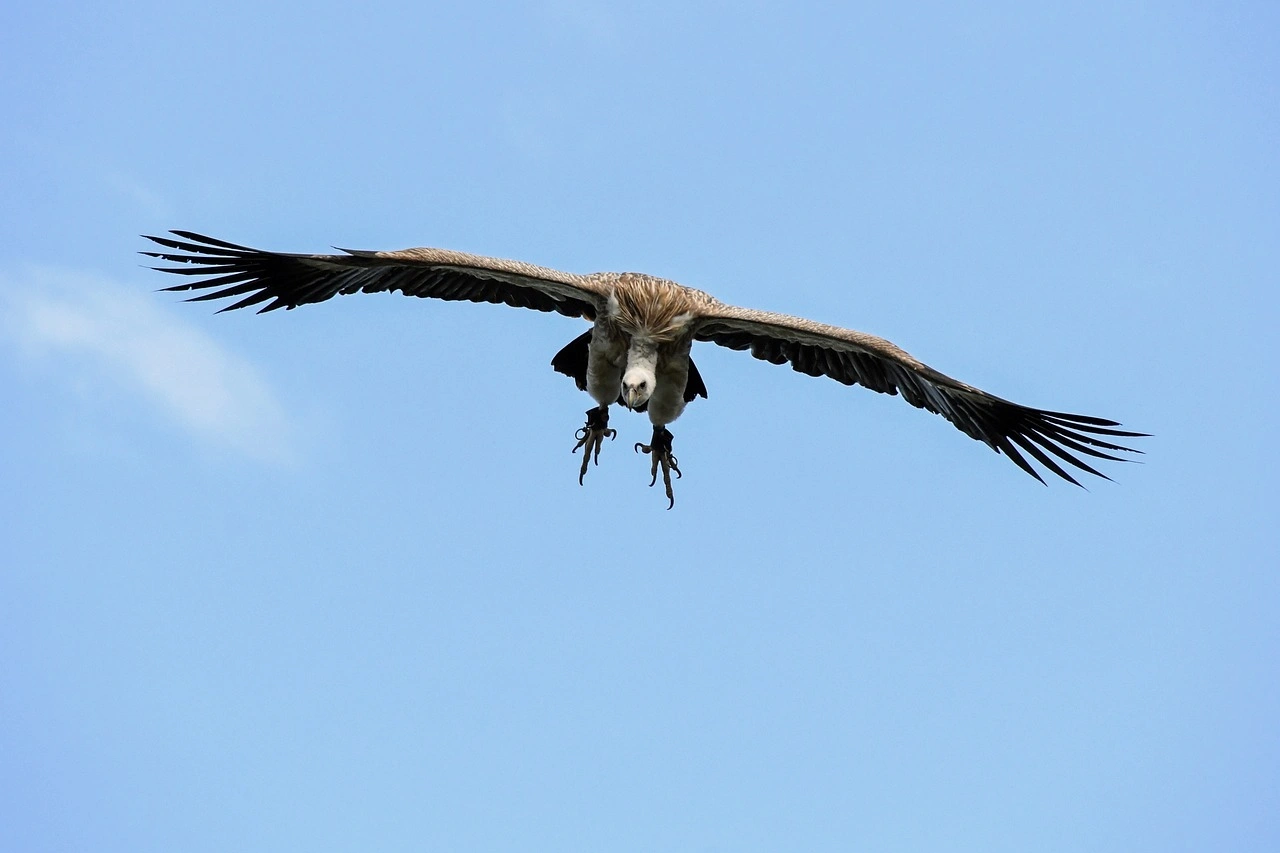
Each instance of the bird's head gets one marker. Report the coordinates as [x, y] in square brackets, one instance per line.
[637, 384]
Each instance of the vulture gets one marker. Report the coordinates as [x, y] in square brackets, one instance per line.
[637, 351]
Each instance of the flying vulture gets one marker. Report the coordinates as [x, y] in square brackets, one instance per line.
[636, 352]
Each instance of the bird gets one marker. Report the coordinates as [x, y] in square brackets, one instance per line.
[637, 353]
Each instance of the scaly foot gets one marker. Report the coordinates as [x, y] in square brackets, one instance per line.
[660, 452]
[592, 436]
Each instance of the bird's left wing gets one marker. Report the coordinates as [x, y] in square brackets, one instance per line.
[285, 280]
[856, 358]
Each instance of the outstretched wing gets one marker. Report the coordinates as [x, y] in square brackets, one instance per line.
[226, 271]
[855, 358]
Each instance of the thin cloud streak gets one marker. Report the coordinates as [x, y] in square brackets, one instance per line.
[77, 322]
[143, 197]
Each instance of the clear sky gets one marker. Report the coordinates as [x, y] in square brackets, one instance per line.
[325, 579]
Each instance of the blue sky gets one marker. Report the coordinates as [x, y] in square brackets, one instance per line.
[325, 579]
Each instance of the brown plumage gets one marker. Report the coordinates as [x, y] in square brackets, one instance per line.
[637, 352]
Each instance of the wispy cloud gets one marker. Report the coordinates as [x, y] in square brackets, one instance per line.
[145, 199]
[594, 24]
[76, 324]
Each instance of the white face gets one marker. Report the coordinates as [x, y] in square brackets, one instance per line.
[637, 385]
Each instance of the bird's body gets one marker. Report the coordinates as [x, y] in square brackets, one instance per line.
[637, 351]
[646, 329]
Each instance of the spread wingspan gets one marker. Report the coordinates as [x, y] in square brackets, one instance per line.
[856, 358]
[283, 280]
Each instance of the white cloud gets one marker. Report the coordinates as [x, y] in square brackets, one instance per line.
[77, 323]
[595, 24]
[144, 198]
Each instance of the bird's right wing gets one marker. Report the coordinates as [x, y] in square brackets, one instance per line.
[288, 280]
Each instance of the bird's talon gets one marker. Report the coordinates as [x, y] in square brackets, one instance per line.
[661, 456]
[591, 437]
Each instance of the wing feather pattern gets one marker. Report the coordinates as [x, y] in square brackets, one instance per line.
[281, 280]
[856, 358]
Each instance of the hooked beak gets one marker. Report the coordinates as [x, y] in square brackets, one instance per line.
[632, 396]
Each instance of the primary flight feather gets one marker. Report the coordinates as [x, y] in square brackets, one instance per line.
[637, 350]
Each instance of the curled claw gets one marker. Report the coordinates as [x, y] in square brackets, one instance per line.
[661, 456]
[591, 437]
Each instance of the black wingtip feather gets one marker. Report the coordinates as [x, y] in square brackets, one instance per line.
[211, 242]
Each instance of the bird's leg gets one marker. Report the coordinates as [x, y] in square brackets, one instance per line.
[592, 436]
[660, 454]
